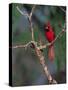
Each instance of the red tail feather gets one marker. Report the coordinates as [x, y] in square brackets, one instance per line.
[51, 53]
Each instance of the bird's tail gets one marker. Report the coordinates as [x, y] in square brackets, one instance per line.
[51, 53]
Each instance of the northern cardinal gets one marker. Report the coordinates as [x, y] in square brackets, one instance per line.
[50, 36]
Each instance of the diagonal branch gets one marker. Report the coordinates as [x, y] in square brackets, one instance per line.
[62, 9]
[25, 14]
[45, 68]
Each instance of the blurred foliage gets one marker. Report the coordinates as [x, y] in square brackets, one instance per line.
[27, 70]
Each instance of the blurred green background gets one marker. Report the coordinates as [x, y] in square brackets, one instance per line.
[26, 68]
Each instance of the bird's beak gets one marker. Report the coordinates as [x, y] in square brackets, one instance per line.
[46, 27]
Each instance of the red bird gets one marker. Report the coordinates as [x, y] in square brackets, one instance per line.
[50, 36]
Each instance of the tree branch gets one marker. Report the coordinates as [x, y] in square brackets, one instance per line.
[45, 68]
[26, 45]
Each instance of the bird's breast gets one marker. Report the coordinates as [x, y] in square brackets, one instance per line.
[50, 36]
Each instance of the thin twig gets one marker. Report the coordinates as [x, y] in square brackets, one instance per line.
[30, 20]
[62, 9]
[32, 31]
[32, 10]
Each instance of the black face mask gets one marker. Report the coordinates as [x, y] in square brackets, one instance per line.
[47, 30]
